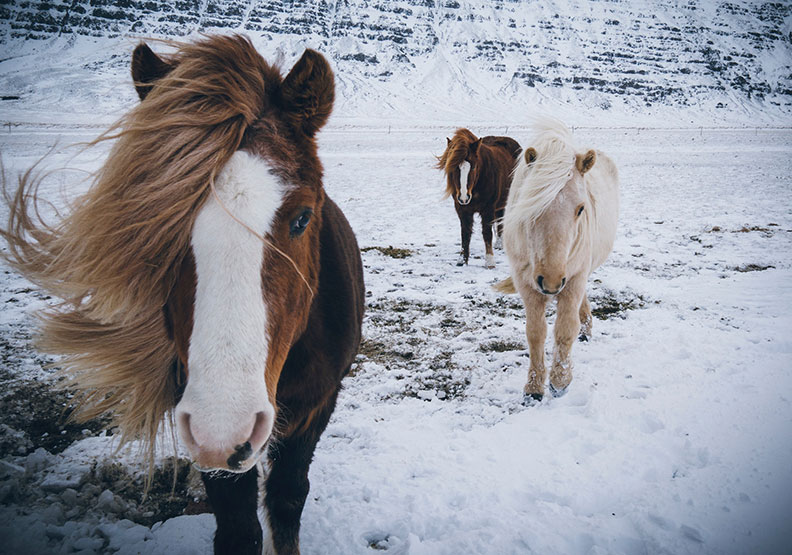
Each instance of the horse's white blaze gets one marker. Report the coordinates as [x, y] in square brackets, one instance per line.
[228, 348]
[464, 170]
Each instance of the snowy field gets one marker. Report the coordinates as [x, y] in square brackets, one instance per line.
[674, 437]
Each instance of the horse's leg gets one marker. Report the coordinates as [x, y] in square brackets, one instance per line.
[499, 228]
[287, 484]
[586, 321]
[536, 332]
[234, 500]
[567, 328]
[487, 219]
[466, 225]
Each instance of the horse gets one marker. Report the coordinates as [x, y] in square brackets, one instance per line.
[207, 277]
[559, 226]
[478, 173]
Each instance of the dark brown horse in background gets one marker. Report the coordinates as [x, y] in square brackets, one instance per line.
[206, 274]
[478, 174]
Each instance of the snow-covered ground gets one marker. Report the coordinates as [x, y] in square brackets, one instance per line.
[675, 436]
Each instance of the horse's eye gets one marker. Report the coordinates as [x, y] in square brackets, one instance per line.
[579, 210]
[298, 224]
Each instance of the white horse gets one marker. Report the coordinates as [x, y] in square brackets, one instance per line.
[559, 226]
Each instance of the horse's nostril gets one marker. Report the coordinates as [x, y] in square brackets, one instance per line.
[261, 430]
[563, 281]
[539, 281]
[183, 421]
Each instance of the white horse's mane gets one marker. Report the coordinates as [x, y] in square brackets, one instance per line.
[535, 186]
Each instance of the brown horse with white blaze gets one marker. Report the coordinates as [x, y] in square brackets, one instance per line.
[207, 274]
[478, 174]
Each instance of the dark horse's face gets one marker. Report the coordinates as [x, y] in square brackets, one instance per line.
[462, 179]
[243, 293]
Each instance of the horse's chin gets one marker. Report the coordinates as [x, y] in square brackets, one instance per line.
[241, 468]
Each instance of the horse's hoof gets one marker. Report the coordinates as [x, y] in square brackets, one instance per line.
[531, 399]
[489, 261]
[558, 392]
[460, 262]
[583, 337]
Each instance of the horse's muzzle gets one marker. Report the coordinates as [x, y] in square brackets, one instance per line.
[547, 289]
[213, 453]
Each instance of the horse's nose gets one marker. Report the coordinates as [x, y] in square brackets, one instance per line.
[547, 288]
[235, 452]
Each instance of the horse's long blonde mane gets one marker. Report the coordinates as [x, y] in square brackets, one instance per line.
[111, 260]
[536, 186]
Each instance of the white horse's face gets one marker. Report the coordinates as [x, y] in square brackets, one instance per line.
[552, 235]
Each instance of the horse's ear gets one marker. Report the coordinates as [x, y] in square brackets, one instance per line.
[308, 92]
[147, 67]
[585, 162]
[448, 141]
[530, 155]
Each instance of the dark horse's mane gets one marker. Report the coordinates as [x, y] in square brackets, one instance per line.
[111, 260]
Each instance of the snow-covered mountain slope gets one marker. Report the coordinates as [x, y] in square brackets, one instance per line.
[719, 61]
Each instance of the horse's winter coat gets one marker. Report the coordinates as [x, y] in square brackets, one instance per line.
[478, 173]
[559, 226]
[207, 274]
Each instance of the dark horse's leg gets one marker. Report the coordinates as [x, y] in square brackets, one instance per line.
[466, 224]
[234, 500]
[287, 484]
[487, 219]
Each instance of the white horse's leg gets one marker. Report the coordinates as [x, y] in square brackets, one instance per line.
[535, 332]
[567, 328]
[586, 321]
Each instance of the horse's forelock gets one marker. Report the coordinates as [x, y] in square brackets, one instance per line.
[455, 153]
[537, 184]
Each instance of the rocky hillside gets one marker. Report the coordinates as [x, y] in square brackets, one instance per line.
[710, 56]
